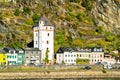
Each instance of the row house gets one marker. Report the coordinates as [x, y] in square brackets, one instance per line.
[72, 56]
[14, 57]
[32, 56]
[25, 56]
[11, 56]
[20, 56]
[97, 55]
[2, 58]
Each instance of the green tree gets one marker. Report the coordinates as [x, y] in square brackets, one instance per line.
[46, 56]
[87, 4]
[35, 17]
[60, 39]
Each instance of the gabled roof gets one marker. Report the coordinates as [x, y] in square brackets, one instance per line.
[7, 49]
[45, 20]
[63, 49]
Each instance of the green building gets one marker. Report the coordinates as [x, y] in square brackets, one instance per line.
[20, 57]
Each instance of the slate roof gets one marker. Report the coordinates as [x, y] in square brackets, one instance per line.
[63, 49]
[31, 49]
[71, 49]
[97, 49]
[45, 20]
[8, 49]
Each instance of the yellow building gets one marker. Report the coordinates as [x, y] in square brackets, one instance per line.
[2, 59]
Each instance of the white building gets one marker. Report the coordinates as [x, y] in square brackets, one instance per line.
[44, 38]
[66, 55]
[86, 55]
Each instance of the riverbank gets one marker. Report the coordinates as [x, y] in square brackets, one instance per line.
[59, 74]
[56, 72]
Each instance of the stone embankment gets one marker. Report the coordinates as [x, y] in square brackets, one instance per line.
[59, 74]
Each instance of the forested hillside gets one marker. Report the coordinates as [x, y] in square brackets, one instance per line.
[79, 23]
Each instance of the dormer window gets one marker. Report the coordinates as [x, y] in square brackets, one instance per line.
[97, 49]
[94, 49]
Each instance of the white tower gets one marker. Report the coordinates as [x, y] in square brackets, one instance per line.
[44, 38]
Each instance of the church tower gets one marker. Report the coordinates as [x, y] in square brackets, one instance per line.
[44, 38]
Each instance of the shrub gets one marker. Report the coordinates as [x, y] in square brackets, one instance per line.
[79, 17]
[87, 4]
[70, 8]
[27, 10]
[104, 71]
[1, 45]
[82, 61]
[76, 1]
[29, 21]
[72, 14]
[17, 12]
[35, 18]
[110, 38]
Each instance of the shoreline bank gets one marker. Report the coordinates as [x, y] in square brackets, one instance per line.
[59, 74]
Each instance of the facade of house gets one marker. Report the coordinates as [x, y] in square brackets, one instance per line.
[2, 58]
[79, 56]
[44, 38]
[11, 56]
[32, 56]
[97, 55]
[20, 57]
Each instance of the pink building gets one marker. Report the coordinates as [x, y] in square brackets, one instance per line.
[97, 55]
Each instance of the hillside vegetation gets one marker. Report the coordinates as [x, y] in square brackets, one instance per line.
[79, 23]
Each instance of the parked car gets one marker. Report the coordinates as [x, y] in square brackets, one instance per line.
[109, 66]
[98, 63]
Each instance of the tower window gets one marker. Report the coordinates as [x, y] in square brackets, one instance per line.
[36, 42]
[48, 34]
[47, 42]
[46, 27]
